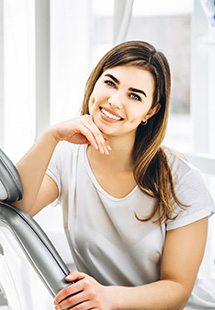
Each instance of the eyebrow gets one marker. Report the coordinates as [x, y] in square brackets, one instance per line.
[131, 88]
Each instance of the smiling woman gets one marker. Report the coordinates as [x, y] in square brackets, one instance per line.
[119, 97]
[122, 192]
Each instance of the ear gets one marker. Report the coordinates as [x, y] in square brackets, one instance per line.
[152, 111]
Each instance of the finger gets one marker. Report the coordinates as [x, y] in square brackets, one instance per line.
[75, 276]
[88, 132]
[70, 289]
[82, 305]
[83, 133]
[65, 293]
[91, 139]
[72, 301]
[107, 144]
[89, 129]
[95, 130]
[102, 143]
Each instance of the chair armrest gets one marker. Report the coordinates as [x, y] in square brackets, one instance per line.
[36, 246]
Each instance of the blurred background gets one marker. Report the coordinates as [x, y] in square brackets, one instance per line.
[48, 49]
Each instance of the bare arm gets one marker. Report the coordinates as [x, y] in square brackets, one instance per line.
[32, 168]
[183, 252]
[40, 189]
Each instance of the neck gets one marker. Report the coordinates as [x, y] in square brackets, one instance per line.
[120, 156]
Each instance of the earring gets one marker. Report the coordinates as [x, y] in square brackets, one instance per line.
[144, 123]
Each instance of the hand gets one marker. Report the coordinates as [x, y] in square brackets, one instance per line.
[85, 293]
[81, 130]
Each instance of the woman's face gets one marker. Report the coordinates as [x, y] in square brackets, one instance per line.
[121, 99]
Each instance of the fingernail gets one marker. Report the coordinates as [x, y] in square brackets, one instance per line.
[68, 277]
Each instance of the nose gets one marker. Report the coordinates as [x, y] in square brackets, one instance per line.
[116, 101]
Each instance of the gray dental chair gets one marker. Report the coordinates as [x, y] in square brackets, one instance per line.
[26, 236]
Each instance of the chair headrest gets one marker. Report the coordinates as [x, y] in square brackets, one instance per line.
[11, 188]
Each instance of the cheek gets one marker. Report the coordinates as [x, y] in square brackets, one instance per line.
[135, 113]
[136, 117]
[91, 104]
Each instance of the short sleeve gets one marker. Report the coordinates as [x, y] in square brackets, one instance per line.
[191, 190]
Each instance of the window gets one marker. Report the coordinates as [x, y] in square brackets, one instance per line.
[18, 97]
[73, 54]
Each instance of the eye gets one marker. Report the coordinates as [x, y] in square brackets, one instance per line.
[135, 97]
[110, 83]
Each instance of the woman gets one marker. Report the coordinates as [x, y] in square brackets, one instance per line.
[135, 214]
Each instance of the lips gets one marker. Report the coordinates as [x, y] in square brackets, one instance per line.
[110, 114]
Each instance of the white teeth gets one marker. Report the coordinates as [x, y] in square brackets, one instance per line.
[110, 115]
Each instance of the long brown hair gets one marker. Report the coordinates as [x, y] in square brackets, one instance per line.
[151, 170]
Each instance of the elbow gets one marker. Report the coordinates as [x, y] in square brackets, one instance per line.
[180, 295]
[183, 299]
[183, 304]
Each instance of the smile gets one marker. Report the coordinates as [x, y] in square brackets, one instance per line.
[110, 115]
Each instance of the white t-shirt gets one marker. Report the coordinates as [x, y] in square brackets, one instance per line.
[107, 240]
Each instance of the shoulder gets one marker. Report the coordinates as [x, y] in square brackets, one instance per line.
[64, 161]
[65, 150]
[64, 146]
[180, 167]
[65, 155]
[191, 190]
